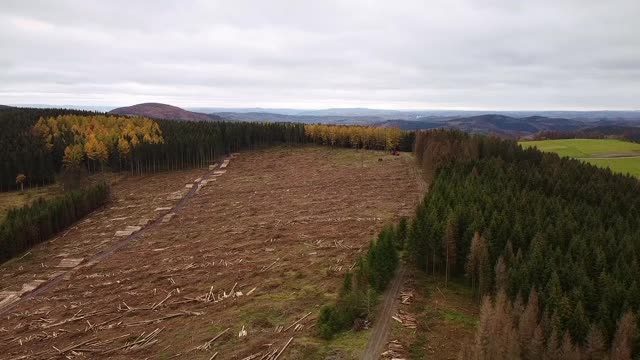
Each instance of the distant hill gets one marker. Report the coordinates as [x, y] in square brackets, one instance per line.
[491, 124]
[163, 111]
[512, 126]
[410, 124]
[606, 131]
[307, 119]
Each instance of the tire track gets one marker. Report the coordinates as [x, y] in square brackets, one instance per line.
[382, 327]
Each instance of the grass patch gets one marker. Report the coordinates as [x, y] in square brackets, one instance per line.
[623, 166]
[264, 317]
[459, 318]
[17, 199]
[600, 152]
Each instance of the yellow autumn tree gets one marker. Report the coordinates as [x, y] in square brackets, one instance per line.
[96, 137]
[355, 136]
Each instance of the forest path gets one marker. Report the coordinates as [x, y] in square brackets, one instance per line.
[382, 326]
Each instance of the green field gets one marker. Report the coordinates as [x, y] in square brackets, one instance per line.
[619, 156]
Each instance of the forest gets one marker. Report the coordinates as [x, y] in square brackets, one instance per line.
[22, 151]
[40, 220]
[38, 142]
[548, 244]
[360, 137]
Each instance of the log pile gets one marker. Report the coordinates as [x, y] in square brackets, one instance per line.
[69, 263]
[406, 296]
[405, 319]
[128, 230]
[394, 351]
[168, 217]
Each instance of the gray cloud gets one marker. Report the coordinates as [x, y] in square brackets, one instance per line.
[482, 54]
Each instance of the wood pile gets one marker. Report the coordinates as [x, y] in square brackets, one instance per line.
[394, 351]
[69, 263]
[168, 217]
[406, 296]
[177, 195]
[225, 163]
[405, 319]
[128, 231]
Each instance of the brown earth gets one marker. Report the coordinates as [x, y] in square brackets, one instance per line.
[446, 318]
[260, 247]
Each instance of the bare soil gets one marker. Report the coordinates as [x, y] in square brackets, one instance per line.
[258, 248]
[446, 317]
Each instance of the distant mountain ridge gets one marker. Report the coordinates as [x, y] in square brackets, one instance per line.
[163, 111]
[491, 124]
[509, 124]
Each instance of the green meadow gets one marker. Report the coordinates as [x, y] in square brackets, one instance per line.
[619, 156]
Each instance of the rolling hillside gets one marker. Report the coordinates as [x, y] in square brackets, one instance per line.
[163, 111]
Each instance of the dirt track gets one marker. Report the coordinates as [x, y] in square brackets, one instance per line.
[382, 327]
[275, 234]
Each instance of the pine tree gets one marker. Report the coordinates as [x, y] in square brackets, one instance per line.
[501, 274]
[624, 338]
[484, 333]
[596, 348]
[528, 324]
[401, 233]
[450, 244]
[567, 350]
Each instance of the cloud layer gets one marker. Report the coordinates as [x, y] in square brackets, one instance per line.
[464, 54]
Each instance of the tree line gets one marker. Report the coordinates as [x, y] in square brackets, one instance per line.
[618, 132]
[22, 151]
[372, 273]
[521, 225]
[38, 143]
[34, 223]
[360, 137]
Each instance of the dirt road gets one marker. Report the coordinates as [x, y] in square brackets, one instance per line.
[382, 326]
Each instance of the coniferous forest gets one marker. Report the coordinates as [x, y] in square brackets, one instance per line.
[36, 142]
[553, 241]
[40, 220]
[22, 151]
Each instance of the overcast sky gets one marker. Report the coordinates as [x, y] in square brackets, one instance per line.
[425, 54]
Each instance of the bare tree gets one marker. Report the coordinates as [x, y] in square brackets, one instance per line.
[596, 347]
[622, 346]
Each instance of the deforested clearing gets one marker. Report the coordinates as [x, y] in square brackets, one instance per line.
[242, 267]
